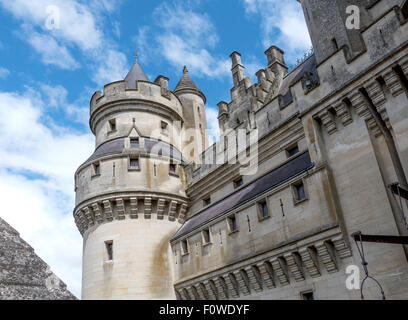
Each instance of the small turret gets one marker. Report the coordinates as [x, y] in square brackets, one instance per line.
[195, 139]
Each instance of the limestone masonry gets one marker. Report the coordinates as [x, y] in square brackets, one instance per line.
[303, 160]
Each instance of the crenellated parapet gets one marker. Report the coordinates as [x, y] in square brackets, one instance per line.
[147, 96]
[123, 206]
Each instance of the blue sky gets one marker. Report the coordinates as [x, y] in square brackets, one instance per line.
[48, 75]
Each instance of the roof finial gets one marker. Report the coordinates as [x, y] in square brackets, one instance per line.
[137, 56]
[185, 69]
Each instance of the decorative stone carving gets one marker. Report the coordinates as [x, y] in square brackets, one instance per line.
[341, 247]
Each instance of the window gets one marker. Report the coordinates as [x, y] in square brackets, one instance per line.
[133, 163]
[134, 143]
[404, 10]
[109, 250]
[299, 191]
[164, 127]
[172, 168]
[335, 45]
[207, 201]
[292, 151]
[232, 224]
[263, 209]
[206, 236]
[307, 295]
[184, 247]
[112, 124]
[96, 169]
[237, 183]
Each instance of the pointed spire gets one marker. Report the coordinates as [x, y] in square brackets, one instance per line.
[136, 73]
[186, 82]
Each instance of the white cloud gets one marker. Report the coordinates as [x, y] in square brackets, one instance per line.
[4, 73]
[282, 24]
[112, 67]
[51, 52]
[183, 37]
[76, 22]
[36, 182]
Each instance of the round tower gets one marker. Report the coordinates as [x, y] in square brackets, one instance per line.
[130, 197]
[194, 136]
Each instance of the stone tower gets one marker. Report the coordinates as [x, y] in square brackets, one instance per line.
[130, 197]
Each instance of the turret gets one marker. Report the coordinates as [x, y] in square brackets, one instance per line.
[130, 195]
[195, 139]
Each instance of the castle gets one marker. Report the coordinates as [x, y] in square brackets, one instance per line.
[303, 160]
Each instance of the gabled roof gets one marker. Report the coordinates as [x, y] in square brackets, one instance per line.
[136, 73]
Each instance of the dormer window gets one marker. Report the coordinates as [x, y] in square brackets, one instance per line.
[134, 143]
[184, 247]
[96, 169]
[134, 163]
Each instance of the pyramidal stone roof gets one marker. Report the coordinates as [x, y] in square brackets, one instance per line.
[24, 275]
[136, 73]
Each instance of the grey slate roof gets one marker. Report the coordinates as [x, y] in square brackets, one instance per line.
[136, 73]
[151, 145]
[186, 82]
[23, 275]
[309, 65]
[254, 189]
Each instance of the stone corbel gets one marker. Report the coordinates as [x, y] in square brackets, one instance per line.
[182, 213]
[341, 247]
[242, 284]
[172, 210]
[160, 208]
[222, 295]
[97, 212]
[328, 121]
[108, 210]
[88, 215]
[267, 276]
[279, 268]
[343, 112]
[133, 208]
[210, 291]
[147, 207]
[310, 261]
[232, 290]
[295, 266]
[253, 280]
[327, 256]
[120, 208]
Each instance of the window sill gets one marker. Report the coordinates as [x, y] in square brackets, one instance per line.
[112, 131]
[174, 174]
[296, 202]
[232, 232]
[108, 262]
[206, 244]
[95, 176]
[263, 218]
[133, 169]
[185, 254]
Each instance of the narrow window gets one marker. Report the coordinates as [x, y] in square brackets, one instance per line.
[307, 295]
[96, 169]
[263, 209]
[112, 124]
[184, 246]
[237, 183]
[109, 250]
[164, 127]
[300, 193]
[172, 168]
[292, 151]
[232, 224]
[207, 201]
[206, 236]
[134, 163]
[335, 45]
[404, 10]
[134, 143]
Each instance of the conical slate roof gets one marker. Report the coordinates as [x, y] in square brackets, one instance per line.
[24, 275]
[186, 82]
[136, 73]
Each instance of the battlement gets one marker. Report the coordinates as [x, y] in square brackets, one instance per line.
[118, 93]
